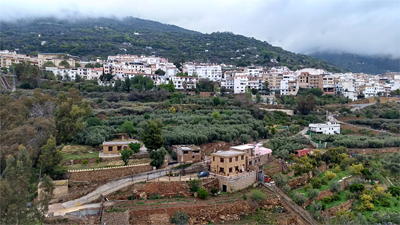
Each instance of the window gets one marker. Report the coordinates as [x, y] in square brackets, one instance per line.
[236, 158]
[213, 158]
[230, 159]
[242, 157]
[119, 148]
[221, 169]
[110, 148]
[250, 163]
[221, 159]
[236, 168]
[230, 170]
[193, 157]
[185, 152]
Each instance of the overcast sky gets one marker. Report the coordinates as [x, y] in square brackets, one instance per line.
[303, 26]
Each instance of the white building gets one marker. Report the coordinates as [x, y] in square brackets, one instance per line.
[324, 128]
[210, 71]
[289, 85]
[240, 83]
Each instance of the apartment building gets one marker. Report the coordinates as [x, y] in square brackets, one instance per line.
[255, 83]
[328, 84]
[240, 83]
[289, 85]
[204, 70]
[307, 80]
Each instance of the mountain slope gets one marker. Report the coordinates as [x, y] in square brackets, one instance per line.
[93, 37]
[358, 63]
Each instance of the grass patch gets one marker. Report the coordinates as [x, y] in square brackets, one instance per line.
[381, 209]
[343, 198]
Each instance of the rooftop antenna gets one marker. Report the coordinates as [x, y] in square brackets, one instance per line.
[13, 88]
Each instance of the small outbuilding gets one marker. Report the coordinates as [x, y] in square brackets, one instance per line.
[302, 152]
[187, 153]
[115, 147]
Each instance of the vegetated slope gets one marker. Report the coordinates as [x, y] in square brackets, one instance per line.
[95, 37]
[358, 63]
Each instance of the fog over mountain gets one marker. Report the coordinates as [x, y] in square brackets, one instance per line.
[360, 27]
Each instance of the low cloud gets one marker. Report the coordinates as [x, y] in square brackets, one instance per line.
[359, 26]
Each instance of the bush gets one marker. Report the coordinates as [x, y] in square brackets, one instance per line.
[132, 197]
[98, 160]
[155, 196]
[313, 193]
[356, 187]
[329, 175]
[335, 186]
[315, 182]
[214, 190]
[335, 198]
[324, 181]
[336, 169]
[385, 203]
[308, 187]
[258, 195]
[85, 162]
[316, 172]
[299, 198]
[180, 218]
[349, 195]
[327, 199]
[203, 194]
[395, 191]
[194, 185]
[279, 179]
[244, 197]
[286, 189]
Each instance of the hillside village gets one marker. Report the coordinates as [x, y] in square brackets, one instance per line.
[156, 142]
[230, 78]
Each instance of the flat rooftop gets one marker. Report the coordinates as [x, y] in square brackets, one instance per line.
[228, 153]
[242, 147]
[119, 142]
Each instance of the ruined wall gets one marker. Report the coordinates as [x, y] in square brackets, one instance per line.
[109, 173]
[332, 211]
[298, 181]
[237, 183]
[197, 214]
[372, 150]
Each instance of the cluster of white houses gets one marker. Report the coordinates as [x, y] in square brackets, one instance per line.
[280, 79]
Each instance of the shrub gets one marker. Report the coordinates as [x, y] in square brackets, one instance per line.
[279, 179]
[335, 198]
[356, 187]
[180, 218]
[327, 199]
[299, 198]
[244, 197]
[258, 195]
[335, 186]
[395, 191]
[313, 193]
[85, 162]
[308, 187]
[349, 195]
[315, 182]
[132, 197]
[336, 169]
[194, 185]
[324, 181]
[214, 190]
[385, 203]
[98, 160]
[203, 194]
[155, 196]
[329, 175]
[286, 189]
[316, 172]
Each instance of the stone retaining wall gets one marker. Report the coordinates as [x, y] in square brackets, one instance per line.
[332, 211]
[372, 150]
[108, 173]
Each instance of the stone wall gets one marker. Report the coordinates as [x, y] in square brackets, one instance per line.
[332, 211]
[298, 181]
[372, 150]
[108, 173]
[238, 182]
[107, 159]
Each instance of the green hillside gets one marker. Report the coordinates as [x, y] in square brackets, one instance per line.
[93, 37]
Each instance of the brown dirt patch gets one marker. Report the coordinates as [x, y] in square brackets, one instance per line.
[101, 116]
[354, 128]
[347, 118]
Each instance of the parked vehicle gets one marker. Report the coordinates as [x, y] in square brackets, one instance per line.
[203, 174]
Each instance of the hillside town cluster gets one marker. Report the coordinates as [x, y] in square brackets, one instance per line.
[235, 79]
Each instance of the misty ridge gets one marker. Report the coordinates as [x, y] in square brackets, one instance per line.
[75, 32]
